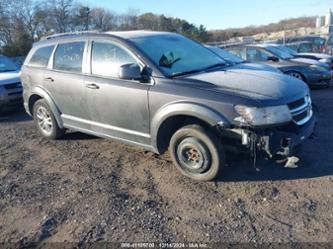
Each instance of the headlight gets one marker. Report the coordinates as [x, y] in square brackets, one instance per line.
[318, 68]
[327, 61]
[263, 116]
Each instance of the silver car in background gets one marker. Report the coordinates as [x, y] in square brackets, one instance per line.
[10, 85]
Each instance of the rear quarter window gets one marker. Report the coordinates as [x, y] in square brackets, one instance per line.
[41, 57]
[69, 56]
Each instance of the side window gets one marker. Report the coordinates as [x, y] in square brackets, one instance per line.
[41, 57]
[237, 52]
[319, 41]
[254, 54]
[107, 58]
[68, 57]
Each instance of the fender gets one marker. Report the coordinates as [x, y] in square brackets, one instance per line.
[44, 94]
[196, 110]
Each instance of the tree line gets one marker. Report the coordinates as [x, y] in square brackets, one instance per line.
[22, 22]
[287, 24]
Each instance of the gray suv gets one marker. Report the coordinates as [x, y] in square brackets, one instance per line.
[163, 91]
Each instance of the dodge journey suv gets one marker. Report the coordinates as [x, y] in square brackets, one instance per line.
[163, 91]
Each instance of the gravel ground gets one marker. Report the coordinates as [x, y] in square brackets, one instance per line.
[85, 189]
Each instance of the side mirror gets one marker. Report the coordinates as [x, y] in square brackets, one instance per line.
[130, 72]
[273, 58]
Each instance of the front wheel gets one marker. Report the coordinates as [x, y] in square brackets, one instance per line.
[197, 153]
[296, 75]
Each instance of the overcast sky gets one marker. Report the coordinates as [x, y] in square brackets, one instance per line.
[220, 14]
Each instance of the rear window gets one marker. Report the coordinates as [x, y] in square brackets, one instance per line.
[41, 57]
[68, 57]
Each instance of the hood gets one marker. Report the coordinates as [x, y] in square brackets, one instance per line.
[307, 61]
[9, 77]
[257, 85]
[320, 56]
[254, 66]
[283, 63]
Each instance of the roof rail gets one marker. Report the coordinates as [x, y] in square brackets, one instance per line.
[68, 34]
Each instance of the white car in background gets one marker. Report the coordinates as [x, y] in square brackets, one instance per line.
[10, 85]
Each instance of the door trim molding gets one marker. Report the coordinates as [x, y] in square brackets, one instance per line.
[105, 126]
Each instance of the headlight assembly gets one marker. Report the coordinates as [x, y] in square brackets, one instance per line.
[263, 116]
[327, 61]
[318, 68]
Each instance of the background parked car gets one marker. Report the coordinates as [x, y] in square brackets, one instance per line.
[300, 47]
[324, 60]
[313, 75]
[318, 43]
[10, 85]
[239, 63]
[329, 45]
[18, 61]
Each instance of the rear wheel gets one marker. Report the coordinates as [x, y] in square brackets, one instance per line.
[45, 121]
[197, 153]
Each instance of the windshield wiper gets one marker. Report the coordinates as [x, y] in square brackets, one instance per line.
[199, 70]
[186, 72]
[214, 66]
[7, 70]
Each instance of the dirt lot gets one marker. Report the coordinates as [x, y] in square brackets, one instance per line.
[84, 188]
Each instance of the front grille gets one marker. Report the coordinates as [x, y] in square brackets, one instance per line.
[13, 86]
[296, 103]
[301, 110]
[19, 93]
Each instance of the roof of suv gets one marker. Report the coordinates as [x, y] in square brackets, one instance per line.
[119, 34]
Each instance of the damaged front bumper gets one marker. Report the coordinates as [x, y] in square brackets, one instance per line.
[275, 140]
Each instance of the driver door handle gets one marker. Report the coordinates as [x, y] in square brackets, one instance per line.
[92, 86]
[49, 79]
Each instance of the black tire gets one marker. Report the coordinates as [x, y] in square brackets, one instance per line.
[197, 153]
[49, 128]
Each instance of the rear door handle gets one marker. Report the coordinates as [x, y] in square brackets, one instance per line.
[49, 79]
[92, 86]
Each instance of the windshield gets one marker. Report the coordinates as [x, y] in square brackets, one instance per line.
[287, 50]
[176, 55]
[279, 53]
[226, 55]
[330, 41]
[6, 65]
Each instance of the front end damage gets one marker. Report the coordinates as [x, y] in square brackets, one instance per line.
[270, 141]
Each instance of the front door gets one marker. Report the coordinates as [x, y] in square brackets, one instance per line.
[118, 108]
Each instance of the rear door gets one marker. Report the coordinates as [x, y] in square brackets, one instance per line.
[64, 81]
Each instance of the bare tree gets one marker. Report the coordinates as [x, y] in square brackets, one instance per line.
[103, 20]
[5, 27]
[62, 14]
[129, 20]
